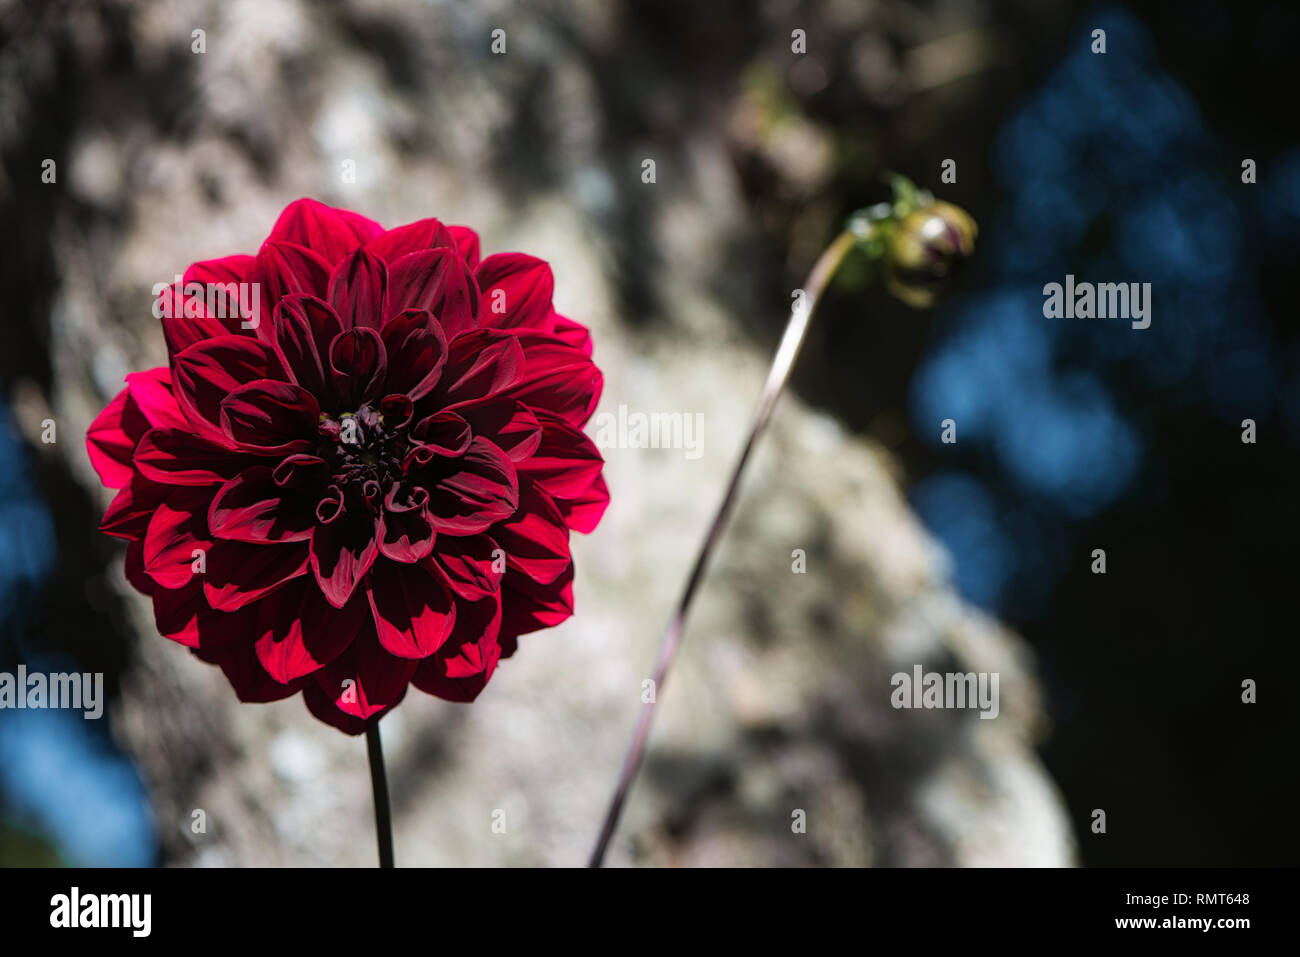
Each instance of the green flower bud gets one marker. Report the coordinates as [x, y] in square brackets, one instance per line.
[925, 248]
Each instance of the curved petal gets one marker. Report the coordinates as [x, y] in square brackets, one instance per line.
[527, 606]
[572, 333]
[472, 566]
[358, 366]
[365, 680]
[239, 573]
[460, 673]
[176, 537]
[467, 245]
[557, 378]
[151, 393]
[405, 531]
[129, 513]
[358, 290]
[509, 423]
[414, 612]
[253, 507]
[584, 513]
[411, 238]
[342, 551]
[208, 371]
[268, 415]
[302, 328]
[172, 457]
[536, 538]
[436, 280]
[333, 233]
[109, 445]
[416, 349]
[480, 365]
[566, 461]
[515, 291]
[471, 493]
[298, 632]
[286, 269]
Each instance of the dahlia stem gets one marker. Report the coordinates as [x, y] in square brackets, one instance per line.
[379, 785]
[786, 354]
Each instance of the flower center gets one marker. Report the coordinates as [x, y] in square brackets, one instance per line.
[367, 445]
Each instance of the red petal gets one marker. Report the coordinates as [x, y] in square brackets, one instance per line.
[151, 393]
[584, 512]
[411, 238]
[176, 532]
[253, 507]
[359, 365]
[188, 317]
[208, 371]
[471, 566]
[109, 446]
[405, 532]
[286, 269]
[557, 378]
[268, 415]
[459, 674]
[239, 573]
[536, 539]
[509, 423]
[572, 333]
[172, 457]
[342, 552]
[566, 462]
[365, 679]
[437, 280]
[414, 613]
[480, 365]
[515, 292]
[302, 328]
[443, 433]
[466, 244]
[129, 513]
[473, 492]
[527, 606]
[298, 632]
[333, 233]
[358, 290]
[417, 350]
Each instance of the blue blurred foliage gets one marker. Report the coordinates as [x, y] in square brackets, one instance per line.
[60, 774]
[1109, 173]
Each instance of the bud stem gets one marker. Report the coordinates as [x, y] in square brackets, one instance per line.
[791, 341]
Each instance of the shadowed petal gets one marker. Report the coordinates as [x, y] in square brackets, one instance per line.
[268, 415]
[358, 290]
[471, 493]
[302, 329]
[358, 366]
[413, 610]
[298, 632]
[176, 536]
[416, 349]
[342, 551]
[253, 507]
[239, 573]
[208, 371]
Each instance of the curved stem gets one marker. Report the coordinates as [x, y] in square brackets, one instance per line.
[791, 341]
[379, 785]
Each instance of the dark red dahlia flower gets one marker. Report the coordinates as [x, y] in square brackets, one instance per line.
[360, 468]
